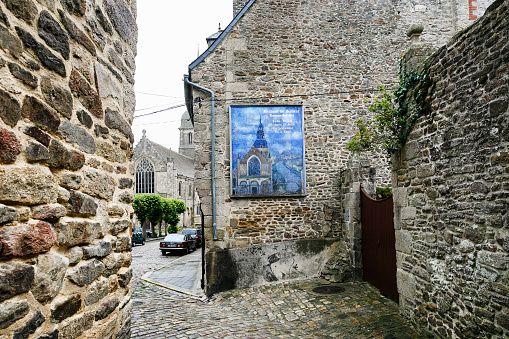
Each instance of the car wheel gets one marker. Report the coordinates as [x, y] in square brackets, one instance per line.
[143, 242]
[163, 252]
[187, 250]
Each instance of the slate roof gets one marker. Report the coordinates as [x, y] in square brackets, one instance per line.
[187, 88]
[221, 36]
[185, 121]
[183, 164]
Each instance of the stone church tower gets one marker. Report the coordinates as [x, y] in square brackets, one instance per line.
[186, 129]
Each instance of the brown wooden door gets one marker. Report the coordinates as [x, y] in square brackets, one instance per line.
[379, 244]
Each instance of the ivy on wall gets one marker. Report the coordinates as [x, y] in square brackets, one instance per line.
[396, 113]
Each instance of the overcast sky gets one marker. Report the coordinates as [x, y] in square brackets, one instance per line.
[169, 36]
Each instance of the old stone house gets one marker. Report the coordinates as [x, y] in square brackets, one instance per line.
[159, 170]
[328, 58]
[66, 188]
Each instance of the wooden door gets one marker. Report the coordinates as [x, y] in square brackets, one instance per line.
[379, 244]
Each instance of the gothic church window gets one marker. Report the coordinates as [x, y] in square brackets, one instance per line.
[144, 177]
[254, 166]
[190, 138]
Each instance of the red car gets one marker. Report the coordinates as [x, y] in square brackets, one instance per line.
[177, 242]
[195, 234]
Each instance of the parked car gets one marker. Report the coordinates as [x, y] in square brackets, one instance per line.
[137, 238]
[177, 242]
[195, 233]
[140, 230]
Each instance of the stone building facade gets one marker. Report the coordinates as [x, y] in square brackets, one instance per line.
[66, 188]
[328, 57]
[450, 185]
[161, 171]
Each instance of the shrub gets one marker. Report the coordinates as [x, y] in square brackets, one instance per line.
[383, 192]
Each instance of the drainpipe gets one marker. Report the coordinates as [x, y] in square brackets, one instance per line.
[213, 167]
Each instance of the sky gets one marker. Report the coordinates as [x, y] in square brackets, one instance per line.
[170, 34]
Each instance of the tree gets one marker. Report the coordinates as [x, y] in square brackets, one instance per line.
[148, 207]
[171, 210]
[155, 209]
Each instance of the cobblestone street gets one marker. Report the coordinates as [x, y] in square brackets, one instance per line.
[284, 310]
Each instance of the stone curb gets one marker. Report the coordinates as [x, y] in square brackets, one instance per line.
[153, 239]
[178, 289]
[175, 289]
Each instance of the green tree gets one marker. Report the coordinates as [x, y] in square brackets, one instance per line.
[171, 210]
[148, 207]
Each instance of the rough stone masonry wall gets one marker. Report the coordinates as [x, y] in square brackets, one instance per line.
[451, 189]
[290, 48]
[66, 105]
[278, 50]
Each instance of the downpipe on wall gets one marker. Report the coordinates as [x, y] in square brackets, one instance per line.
[213, 160]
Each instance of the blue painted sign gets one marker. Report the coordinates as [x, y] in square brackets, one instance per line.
[267, 151]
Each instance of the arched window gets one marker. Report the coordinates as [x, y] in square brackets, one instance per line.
[253, 166]
[144, 177]
[190, 138]
[180, 188]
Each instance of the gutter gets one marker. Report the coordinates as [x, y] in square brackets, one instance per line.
[213, 160]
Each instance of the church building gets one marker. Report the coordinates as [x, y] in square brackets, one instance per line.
[160, 170]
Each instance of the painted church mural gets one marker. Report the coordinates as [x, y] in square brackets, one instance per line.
[267, 151]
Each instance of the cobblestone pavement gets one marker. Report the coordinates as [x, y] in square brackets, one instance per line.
[284, 310]
[147, 258]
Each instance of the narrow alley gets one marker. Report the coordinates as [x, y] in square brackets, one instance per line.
[285, 310]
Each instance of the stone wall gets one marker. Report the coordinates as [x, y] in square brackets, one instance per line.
[238, 5]
[294, 53]
[346, 264]
[66, 105]
[328, 57]
[451, 189]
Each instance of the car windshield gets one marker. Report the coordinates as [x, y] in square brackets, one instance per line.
[174, 237]
[189, 231]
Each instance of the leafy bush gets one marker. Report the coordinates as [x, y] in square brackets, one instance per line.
[172, 229]
[383, 192]
[394, 119]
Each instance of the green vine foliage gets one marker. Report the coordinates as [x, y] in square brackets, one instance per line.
[394, 118]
